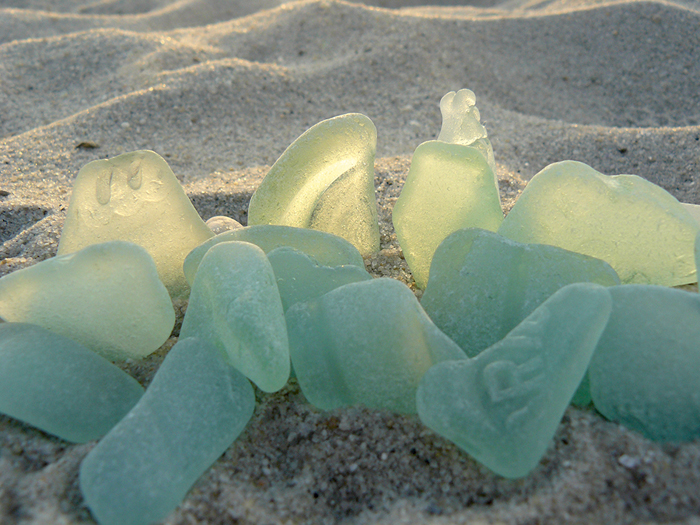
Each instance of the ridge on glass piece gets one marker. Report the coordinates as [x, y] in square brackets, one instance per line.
[639, 228]
[325, 181]
[135, 197]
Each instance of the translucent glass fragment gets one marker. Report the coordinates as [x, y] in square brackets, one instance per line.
[106, 296]
[196, 406]
[235, 306]
[503, 406]
[325, 181]
[483, 285]
[365, 343]
[636, 226]
[135, 197]
[220, 224]
[59, 386]
[693, 209]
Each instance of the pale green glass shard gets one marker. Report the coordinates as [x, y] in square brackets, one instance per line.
[693, 210]
[503, 406]
[135, 197]
[325, 181]
[325, 248]
[220, 224]
[300, 278]
[365, 343]
[483, 285]
[59, 386]
[106, 296]
[449, 187]
[645, 371]
[636, 226]
[196, 406]
[697, 252]
[235, 306]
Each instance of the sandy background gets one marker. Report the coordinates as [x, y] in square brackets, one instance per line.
[220, 89]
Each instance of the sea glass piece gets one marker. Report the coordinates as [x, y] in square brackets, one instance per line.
[196, 406]
[483, 285]
[645, 371]
[325, 181]
[135, 197]
[59, 386]
[220, 224]
[365, 343]
[503, 406]
[106, 296]
[697, 252]
[636, 226]
[448, 187]
[300, 278]
[235, 306]
[693, 210]
[325, 248]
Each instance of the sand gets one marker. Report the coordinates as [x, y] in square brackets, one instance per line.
[221, 87]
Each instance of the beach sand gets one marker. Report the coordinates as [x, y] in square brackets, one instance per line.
[221, 87]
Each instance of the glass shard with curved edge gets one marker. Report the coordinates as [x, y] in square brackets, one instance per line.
[59, 386]
[235, 306]
[196, 406]
[106, 296]
[365, 343]
[327, 249]
[325, 181]
[300, 278]
[503, 406]
[645, 370]
[636, 226]
[448, 187]
[135, 197]
[220, 224]
[483, 285]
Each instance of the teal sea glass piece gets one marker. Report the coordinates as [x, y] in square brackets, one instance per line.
[301, 279]
[196, 406]
[106, 296]
[503, 406]
[325, 248]
[59, 386]
[235, 306]
[483, 285]
[448, 187]
[325, 181]
[135, 197]
[636, 226]
[365, 343]
[646, 369]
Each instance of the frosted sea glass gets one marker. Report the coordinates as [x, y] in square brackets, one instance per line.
[196, 406]
[503, 406]
[483, 285]
[300, 278]
[325, 248]
[448, 187]
[135, 197]
[106, 296]
[220, 224]
[59, 386]
[325, 181]
[636, 226]
[693, 210]
[365, 343]
[646, 369]
[235, 306]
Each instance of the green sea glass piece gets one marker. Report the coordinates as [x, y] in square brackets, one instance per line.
[697, 253]
[503, 406]
[483, 285]
[301, 279]
[235, 306]
[693, 210]
[325, 181]
[365, 343]
[59, 386]
[325, 248]
[193, 410]
[645, 371]
[448, 187]
[135, 197]
[636, 226]
[220, 224]
[106, 296]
